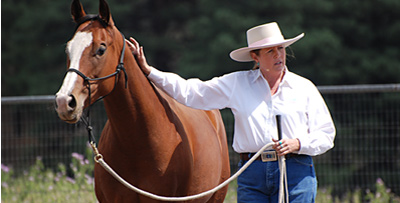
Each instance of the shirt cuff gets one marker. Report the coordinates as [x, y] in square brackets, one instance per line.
[153, 73]
[304, 142]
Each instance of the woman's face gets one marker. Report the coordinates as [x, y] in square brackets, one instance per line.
[271, 59]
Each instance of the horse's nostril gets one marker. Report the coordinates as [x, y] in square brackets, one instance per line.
[72, 103]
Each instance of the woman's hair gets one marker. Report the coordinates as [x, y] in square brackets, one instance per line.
[256, 65]
[289, 55]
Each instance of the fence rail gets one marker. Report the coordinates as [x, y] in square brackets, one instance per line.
[357, 89]
[367, 145]
[28, 99]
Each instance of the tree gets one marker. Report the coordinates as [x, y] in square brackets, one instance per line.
[346, 42]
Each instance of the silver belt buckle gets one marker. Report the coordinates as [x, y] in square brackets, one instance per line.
[268, 156]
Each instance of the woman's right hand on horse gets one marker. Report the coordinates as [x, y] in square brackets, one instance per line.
[138, 52]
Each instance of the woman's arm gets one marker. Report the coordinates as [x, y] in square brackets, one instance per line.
[206, 95]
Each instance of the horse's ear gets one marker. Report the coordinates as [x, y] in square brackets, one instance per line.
[77, 11]
[104, 11]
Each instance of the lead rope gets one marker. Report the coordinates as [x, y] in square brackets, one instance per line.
[98, 158]
[283, 188]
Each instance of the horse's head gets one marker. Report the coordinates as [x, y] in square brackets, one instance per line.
[92, 57]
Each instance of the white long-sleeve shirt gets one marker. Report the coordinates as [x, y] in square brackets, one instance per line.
[304, 113]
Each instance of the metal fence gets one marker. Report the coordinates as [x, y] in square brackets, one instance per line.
[367, 145]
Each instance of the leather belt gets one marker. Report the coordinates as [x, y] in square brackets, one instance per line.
[248, 156]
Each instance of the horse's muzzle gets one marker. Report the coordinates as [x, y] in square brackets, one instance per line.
[66, 107]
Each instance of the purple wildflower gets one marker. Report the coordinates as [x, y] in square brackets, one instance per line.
[89, 179]
[71, 180]
[379, 181]
[78, 156]
[4, 184]
[5, 168]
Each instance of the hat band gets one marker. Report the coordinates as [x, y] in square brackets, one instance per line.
[267, 41]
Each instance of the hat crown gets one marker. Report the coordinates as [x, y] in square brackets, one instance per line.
[266, 33]
[263, 36]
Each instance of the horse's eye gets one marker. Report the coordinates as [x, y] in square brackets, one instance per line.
[102, 49]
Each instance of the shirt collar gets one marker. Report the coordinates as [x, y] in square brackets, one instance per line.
[257, 74]
[285, 80]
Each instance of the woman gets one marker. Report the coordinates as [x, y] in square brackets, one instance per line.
[255, 98]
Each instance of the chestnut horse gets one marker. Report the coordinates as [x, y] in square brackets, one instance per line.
[150, 140]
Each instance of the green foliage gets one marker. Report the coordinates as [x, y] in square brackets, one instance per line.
[346, 42]
[39, 184]
[231, 196]
[382, 194]
[42, 185]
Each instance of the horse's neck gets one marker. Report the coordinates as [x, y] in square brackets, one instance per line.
[126, 105]
[138, 120]
[137, 113]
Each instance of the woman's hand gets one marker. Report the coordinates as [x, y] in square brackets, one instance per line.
[286, 146]
[138, 52]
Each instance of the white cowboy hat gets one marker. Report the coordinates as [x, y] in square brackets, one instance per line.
[262, 36]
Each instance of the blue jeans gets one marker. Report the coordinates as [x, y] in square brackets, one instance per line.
[260, 181]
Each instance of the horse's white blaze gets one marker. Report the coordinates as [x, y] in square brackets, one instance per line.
[75, 49]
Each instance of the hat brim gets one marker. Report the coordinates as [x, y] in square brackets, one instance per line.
[243, 54]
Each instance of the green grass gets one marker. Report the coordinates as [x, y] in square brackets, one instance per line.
[38, 184]
[231, 195]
